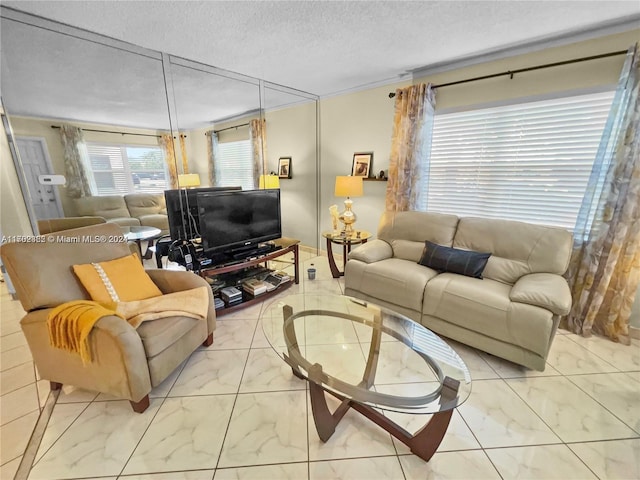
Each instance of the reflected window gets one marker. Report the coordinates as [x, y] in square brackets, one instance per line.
[122, 169]
[234, 165]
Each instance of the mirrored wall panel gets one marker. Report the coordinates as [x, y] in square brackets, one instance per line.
[88, 116]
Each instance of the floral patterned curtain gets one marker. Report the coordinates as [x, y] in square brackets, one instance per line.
[75, 160]
[410, 148]
[212, 154]
[258, 133]
[168, 145]
[183, 152]
[604, 272]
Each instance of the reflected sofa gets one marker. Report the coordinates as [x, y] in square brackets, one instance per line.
[135, 209]
[512, 312]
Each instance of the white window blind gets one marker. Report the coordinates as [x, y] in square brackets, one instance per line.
[122, 169]
[528, 162]
[234, 167]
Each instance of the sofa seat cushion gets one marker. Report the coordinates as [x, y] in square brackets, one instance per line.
[394, 280]
[159, 334]
[125, 221]
[155, 220]
[484, 306]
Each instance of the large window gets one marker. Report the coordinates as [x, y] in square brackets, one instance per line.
[528, 162]
[121, 169]
[234, 165]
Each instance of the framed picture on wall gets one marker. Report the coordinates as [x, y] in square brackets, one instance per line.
[284, 167]
[362, 164]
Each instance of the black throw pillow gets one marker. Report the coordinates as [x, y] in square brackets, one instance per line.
[447, 259]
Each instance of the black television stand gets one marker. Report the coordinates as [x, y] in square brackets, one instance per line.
[282, 247]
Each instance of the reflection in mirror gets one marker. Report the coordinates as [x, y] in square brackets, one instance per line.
[228, 145]
[291, 139]
[90, 120]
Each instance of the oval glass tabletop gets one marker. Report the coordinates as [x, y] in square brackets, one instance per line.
[367, 353]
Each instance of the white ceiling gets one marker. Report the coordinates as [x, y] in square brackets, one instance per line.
[315, 46]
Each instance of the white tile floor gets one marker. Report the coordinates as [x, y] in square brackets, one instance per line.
[234, 411]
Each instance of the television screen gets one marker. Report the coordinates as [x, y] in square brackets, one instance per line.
[182, 210]
[236, 220]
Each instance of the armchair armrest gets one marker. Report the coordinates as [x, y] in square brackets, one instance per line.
[546, 290]
[169, 281]
[119, 365]
[373, 251]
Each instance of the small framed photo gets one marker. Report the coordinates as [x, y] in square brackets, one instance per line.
[362, 164]
[284, 167]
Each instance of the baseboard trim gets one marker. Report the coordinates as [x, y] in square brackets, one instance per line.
[634, 332]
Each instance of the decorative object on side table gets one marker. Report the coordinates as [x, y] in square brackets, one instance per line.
[333, 211]
[348, 186]
[362, 164]
[284, 167]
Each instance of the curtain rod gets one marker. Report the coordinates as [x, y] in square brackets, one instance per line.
[230, 128]
[511, 73]
[118, 133]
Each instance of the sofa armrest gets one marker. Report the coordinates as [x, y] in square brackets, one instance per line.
[546, 290]
[169, 281]
[373, 251]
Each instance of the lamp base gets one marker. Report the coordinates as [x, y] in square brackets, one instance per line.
[348, 218]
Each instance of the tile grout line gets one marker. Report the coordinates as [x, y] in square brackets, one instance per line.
[164, 399]
[24, 469]
[600, 403]
[235, 400]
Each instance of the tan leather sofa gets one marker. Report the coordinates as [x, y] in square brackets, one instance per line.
[512, 312]
[135, 209]
[127, 362]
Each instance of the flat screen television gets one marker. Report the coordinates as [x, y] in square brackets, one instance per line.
[234, 221]
[182, 210]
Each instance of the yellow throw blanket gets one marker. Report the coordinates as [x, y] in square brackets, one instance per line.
[70, 323]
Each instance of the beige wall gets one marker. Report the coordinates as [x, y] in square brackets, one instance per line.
[34, 127]
[362, 121]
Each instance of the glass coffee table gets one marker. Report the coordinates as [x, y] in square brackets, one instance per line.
[371, 359]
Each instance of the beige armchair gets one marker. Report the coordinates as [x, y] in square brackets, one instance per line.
[127, 363]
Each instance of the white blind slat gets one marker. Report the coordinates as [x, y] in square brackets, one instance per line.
[121, 169]
[234, 166]
[527, 162]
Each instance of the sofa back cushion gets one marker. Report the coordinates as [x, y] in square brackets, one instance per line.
[42, 272]
[140, 204]
[107, 206]
[517, 248]
[406, 232]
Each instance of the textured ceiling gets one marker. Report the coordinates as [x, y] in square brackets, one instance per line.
[326, 47]
[318, 47]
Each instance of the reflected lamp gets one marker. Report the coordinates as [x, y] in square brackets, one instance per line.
[348, 186]
[188, 180]
[269, 181]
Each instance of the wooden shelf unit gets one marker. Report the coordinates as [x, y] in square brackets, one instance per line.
[288, 245]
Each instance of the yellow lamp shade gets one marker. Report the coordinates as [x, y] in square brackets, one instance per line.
[269, 181]
[188, 180]
[347, 186]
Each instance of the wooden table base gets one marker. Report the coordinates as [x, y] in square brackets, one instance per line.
[423, 443]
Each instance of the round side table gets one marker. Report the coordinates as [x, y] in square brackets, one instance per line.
[357, 237]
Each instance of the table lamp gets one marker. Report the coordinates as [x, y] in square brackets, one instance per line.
[269, 181]
[347, 186]
[188, 180]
